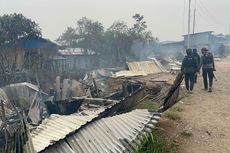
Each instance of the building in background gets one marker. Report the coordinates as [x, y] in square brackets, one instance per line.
[74, 61]
[216, 43]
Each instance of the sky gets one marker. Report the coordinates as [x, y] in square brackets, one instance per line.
[167, 19]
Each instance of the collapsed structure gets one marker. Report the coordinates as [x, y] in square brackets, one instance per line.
[84, 122]
[94, 113]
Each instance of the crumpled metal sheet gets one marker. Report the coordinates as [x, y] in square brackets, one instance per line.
[27, 97]
[56, 127]
[146, 66]
[120, 133]
[20, 142]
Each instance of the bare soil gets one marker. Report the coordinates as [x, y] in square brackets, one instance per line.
[205, 115]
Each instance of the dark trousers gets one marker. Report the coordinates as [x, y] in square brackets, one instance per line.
[195, 78]
[208, 78]
[189, 80]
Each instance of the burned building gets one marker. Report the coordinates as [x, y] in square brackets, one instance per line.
[74, 62]
[25, 59]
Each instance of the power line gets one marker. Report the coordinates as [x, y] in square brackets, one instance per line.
[205, 3]
[189, 16]
[206, 16]
[183, 20]
[194, 18]
[209, 14]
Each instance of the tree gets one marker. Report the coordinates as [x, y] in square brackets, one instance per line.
[68, 38]
[116, 37]
[115, 44]
[140, 37]
[138, 31]
[87, 35]
[140, 25]
[14, 26]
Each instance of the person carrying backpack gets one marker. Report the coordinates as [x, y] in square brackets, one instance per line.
[208, 66]
[189, 67]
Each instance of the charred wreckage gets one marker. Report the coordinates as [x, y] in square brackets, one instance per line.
[95, 114]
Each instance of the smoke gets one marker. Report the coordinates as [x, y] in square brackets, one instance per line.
[142, 50]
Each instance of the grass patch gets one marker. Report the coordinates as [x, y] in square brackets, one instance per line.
[177, 109]
[152, 144]
[187, 98]
[186, 134]
[172, 115]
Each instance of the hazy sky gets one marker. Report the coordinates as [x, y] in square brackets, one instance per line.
[167, 19]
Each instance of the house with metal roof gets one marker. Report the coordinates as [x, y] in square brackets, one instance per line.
[24, 58]
[72, 62]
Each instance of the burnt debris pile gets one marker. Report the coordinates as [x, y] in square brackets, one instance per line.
[93, 114]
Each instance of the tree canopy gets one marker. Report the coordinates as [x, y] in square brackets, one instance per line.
[115, 43]
[87, 35]
[14, 26]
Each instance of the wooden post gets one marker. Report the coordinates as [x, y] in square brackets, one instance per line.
[58, 88]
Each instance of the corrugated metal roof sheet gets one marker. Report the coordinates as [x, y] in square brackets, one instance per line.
[23, 84]
[147, 67]
[130, 73]
[46, 133]
[141, 68]
[31, 42]
[57, 127]
[120, 133]
[75, 51]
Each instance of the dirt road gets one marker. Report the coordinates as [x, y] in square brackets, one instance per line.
[207, 117]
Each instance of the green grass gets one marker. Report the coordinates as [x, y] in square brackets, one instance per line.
[186, 134]
[177, 108]
[152, 144]
[172, 115]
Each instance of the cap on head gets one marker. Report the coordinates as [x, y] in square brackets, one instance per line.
[204, 49]
[194, 50]
[189, 51]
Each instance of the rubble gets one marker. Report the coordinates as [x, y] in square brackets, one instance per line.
[75, 107]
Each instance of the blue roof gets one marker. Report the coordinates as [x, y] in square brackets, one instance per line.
[31, 42]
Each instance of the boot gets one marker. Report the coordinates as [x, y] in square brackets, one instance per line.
[210, 89]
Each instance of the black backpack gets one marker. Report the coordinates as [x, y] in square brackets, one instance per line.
[190, 62]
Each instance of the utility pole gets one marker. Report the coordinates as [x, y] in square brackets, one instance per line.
[189, 15]
[228, 29]
[194, 19]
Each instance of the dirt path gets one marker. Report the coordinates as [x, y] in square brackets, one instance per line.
[207, 117]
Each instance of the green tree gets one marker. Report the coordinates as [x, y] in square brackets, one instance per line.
[115, 44]
[87, 35]
[14, 26]
[139, 30]
[116, 37]
[68, 38]
[141, 38]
